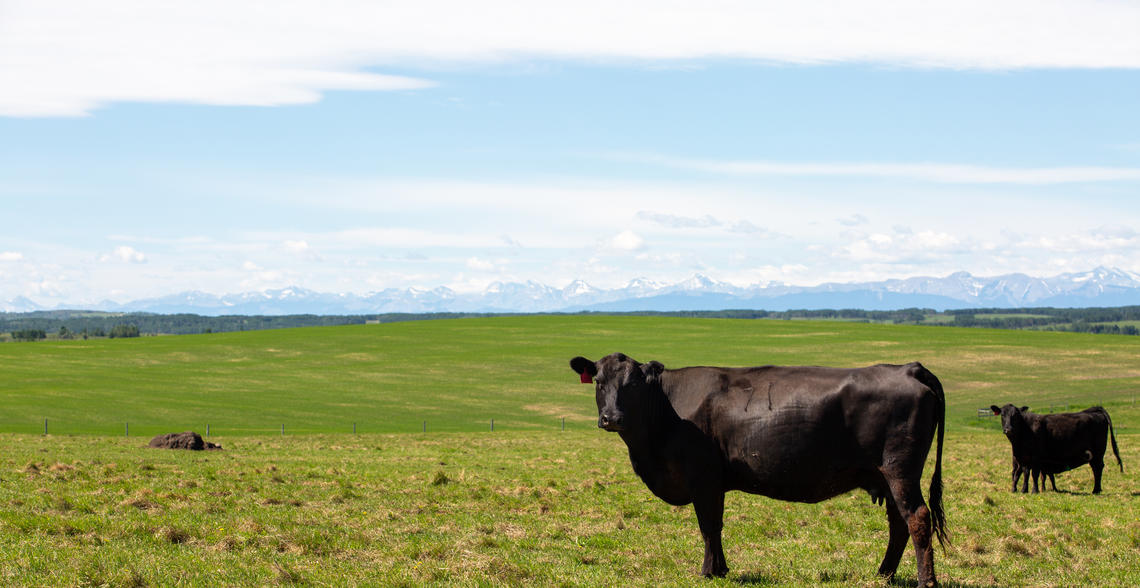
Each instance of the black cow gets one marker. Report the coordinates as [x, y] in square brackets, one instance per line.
[803, 434]
[1055, 443]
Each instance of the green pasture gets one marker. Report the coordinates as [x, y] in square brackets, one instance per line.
[526, 504]
[457, 375]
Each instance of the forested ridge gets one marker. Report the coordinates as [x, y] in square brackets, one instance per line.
[70, 324]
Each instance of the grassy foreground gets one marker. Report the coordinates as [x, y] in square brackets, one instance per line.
[506, 509]
[528, 503]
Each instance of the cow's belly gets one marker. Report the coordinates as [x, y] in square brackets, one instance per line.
[797, 486]
[796, 462]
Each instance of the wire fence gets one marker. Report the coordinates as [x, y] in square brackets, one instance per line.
[207, 430]
[1053, 407]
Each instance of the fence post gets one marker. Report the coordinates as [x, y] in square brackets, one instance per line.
[207, 429]
[282, 429]
[45, 427]
[425, 427]
[492, 425]
[353, 428]
[127, 429]
[563, 423]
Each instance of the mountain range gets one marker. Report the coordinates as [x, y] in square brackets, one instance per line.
[1101, 287]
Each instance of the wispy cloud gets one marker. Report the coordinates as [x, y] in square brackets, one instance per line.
[853, 220]
[674, 221]
[945, 173]
[70, 57]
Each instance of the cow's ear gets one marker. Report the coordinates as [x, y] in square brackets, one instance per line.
[585, 368]
[1025, 409]
[653, 371]
[995, 409]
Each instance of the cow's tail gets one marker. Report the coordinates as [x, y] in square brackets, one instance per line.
[1112, 435]
[937, 514]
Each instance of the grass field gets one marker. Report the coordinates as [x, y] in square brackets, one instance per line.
[527, 503]
[459, 374]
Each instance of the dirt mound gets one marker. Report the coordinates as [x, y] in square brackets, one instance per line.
[184, 440]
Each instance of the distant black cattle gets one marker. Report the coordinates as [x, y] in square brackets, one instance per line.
[1054, 443]
[802, 434]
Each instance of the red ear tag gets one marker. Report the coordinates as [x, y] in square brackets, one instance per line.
[586, 378]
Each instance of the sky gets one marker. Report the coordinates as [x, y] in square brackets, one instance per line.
[149, 147]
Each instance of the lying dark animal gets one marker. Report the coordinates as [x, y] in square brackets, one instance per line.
[802, 434]
[1055, 443]
[183, 440]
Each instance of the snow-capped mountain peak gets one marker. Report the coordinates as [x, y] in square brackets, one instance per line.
[1100, 286]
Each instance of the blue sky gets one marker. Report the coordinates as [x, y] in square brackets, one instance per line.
[352, 147]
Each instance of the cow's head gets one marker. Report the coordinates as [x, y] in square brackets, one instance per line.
[621, 385]
[1012, 418]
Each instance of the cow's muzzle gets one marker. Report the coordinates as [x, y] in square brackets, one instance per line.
[610, 422]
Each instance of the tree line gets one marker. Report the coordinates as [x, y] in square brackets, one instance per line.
[64, 324]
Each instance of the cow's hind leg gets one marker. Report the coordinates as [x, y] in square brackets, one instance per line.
[913, 510]
[1098, 469]
[710, 518]
[896, 545]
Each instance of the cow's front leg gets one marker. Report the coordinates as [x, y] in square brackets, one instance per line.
[710, 518]
[896, 545]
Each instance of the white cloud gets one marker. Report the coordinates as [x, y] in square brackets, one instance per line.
[672, 221]
[1095, 241]
[11, 256]
[679, 222]
[626, 241]
[296, 247]
[480, 265]
[853, 220]
[125, 254]
[67, 58]
[901, 247]
[943, 173]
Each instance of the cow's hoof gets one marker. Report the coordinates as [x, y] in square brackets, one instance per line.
[715, 572]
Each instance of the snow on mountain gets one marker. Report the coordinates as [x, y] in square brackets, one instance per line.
[19, 304]
[638, 287]
[579, 288]
[703, 284]
[1098, 287]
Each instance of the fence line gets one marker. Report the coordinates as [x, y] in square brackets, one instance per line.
[59, 427]
[1054, 407]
